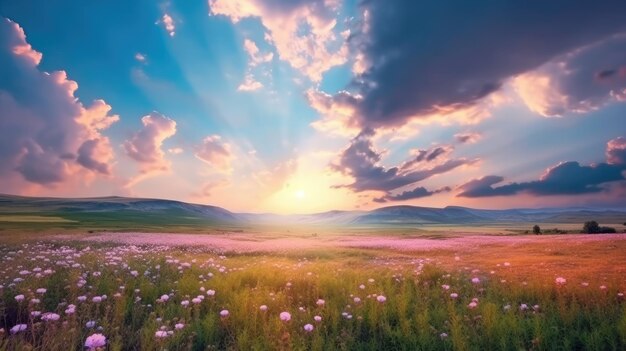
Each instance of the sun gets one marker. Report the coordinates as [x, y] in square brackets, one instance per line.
[300, 194]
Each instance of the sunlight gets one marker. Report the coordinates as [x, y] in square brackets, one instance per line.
[300, 194]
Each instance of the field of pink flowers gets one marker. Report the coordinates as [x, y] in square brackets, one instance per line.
[107, 296]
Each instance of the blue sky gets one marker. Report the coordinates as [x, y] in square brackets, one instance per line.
[303, 106]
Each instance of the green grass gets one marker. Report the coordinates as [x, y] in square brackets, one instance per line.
[32, 219]
[416, 312]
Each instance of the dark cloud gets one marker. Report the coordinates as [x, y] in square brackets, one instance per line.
[483, 187]
[467, 137]
[423, 56]
[362, 162]
[423, 156]
[566, 178]
[416, 193]
[607, 73]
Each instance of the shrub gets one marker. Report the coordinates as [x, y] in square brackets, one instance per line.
[592, 227]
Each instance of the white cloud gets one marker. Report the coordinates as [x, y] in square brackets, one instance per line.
[141, 57]
[249, 84]
[302, 32]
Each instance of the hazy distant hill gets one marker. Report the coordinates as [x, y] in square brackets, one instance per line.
[157, 212]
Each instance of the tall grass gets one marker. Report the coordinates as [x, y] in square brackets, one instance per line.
[418, 313]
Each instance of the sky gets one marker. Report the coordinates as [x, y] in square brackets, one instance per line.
[294, 106]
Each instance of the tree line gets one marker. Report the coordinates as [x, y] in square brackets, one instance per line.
[589, 227]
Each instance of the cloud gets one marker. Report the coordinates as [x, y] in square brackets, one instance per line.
[362, 162]
[424, 59]
[90, 154]
[175, 150]
[337, 110]
[467, 137]
[256, 57]
[215, 152]
[484, 187]
[168, 23]
[580, 81]
[416, 193]
[303, 32]
[141, 57]
[341, 114]
[426, 157]
[273, 178]
[566, 178]
[616, 151]
[249, 84]
[47, 135]
[209, 187]
[145, 145]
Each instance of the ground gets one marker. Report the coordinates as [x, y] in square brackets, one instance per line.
[378, 289]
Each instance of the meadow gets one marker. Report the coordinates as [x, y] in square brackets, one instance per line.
[552, 294]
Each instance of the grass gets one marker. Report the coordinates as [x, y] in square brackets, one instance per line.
[418, 313]
[32, 219]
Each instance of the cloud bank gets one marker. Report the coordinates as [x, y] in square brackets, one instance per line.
[47, 135]
[566, 178]
[425, 60]
[362, 162]
[303, 32]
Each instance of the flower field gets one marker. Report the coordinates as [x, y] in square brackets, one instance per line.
[77, 296]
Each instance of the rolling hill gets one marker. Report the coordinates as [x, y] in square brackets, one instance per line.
[122, 211]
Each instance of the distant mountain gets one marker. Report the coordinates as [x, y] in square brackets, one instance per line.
[158, 212]
[418, 215]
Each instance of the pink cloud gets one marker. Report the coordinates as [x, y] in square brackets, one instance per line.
[47, 136]
[145, 145]
[249, 84]
[580, 81]
[208, 188]
[338, 112]
[175, 150]
[215, 152]
[168, 23]
[312, 53]
[616, 151]
[341, 115]
[274, 178]
[256, 57]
